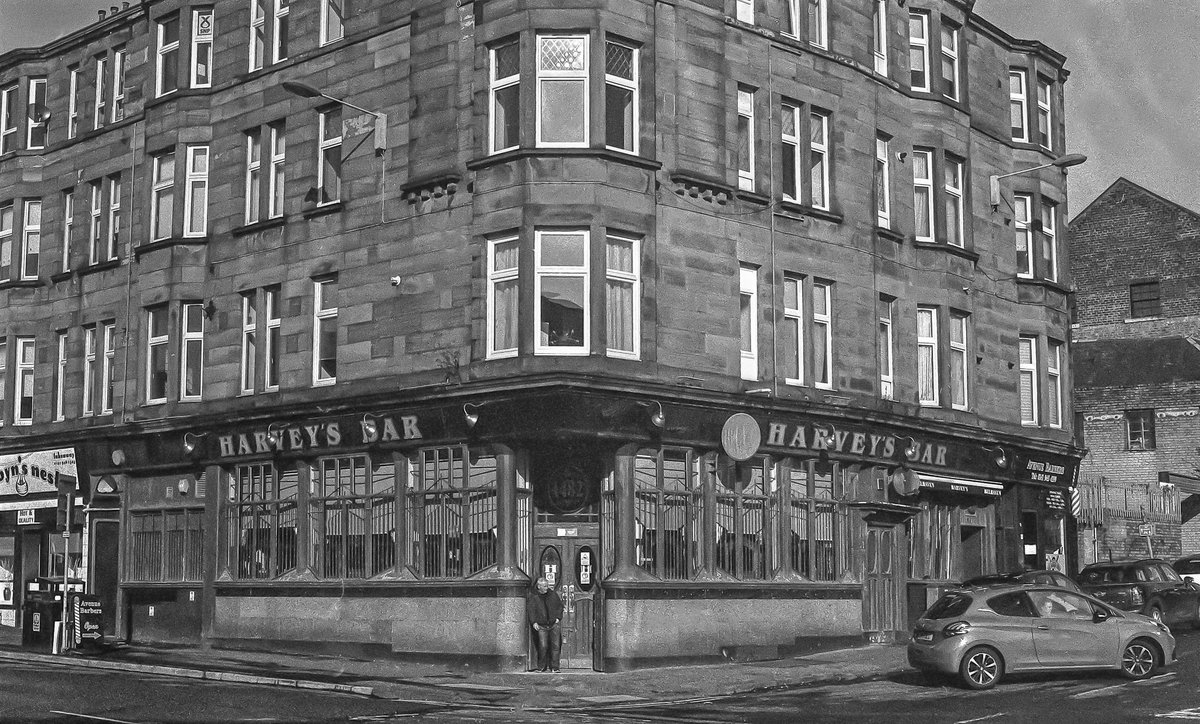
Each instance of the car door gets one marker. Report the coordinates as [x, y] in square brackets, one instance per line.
[1180, 597]
[1066, 634]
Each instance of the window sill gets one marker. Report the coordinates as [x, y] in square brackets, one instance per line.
[1046, 283]
[521, 153]
[99, 267]
[262, 225]
[797, 208]
[947, 248]
[61, 277]
[753, 197]
[21, 284]
[882, 232]
[323, 210]
[1135, 320]
[167, 243]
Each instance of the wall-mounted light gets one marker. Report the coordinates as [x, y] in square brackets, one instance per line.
[913, 449]
[275, 434]
[472, 418]
[304, 90]
[1066, 161]
[657, 418]
[370, 427]
[998, 456]
[191, 441]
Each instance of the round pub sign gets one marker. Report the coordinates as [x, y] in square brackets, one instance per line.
[740, 437]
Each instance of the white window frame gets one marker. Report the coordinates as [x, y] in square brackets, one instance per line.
[1049, 212]
[202, 48]
[73, 103]
[95, 220]
[1022, 228]
[100, 104]
[37, 87]
[114, 215]
[68, 225]
[277, 179]
[745, 117]
[109, 367]
[31, 237]
[24, 381]
[195, 221]
[272, 344]
[332, 10]
[628, 84]
[153, 342]
[579, 76]
[257, 49]
[162, 190]
[880, 44]
[89, 371]
[792, 28]
[328, 144]
[959, 326]
[886, 340]
[954, 197]
[1045, 91]
[789, 140]
[929, 342]
[3, 376]
[919, 44]
[249, 314]
[633, 279]
[118, 89]
[794, 315]
[253, 203]
[60, 378]
[748, 294]
[541, 272]
[883, 183]
[495, 86]
[1054, 389]
[8, 118]
[191, 347]
[8, 219]
[818, 148]
[322, 314]
[744, 11]
[818, 23]
[494, 278]
[1029, 370]
[950, 54]
[822, 326]
[1018, 98]
[166, 54]
[279, 27]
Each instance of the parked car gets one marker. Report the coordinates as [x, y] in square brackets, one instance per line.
[1149, 586]
[1188, 568]
[1043, 577]
[982, 634]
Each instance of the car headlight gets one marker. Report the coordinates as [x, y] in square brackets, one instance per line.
[958, 628]
[1162, 626]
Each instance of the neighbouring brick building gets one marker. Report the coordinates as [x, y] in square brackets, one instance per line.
[700, 309]
[1137, 365]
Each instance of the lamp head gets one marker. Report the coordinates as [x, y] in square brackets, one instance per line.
[304, 90]
[369, 426]
[657, 418]
[191, 441]
[1070, 159]
[472, 418]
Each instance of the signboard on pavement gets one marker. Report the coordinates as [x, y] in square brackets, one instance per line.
[88, 615]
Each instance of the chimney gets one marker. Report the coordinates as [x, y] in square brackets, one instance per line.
[124, 6]
[101, 13]
[113, 10]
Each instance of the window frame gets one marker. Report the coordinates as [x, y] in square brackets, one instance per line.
[249, 342]
[195, 220]
[542, 272]
[202, 48]
[955, 196]
[817, 19]
[68, 226]
[496, 86]
[580, 76]
[629, 85]
[157, 345]
[343, 489]
[1049, 227]
[1029, 371]
[931, 343]
[822, 326]
[32, 115]
[677, 486]
[323, 315]
[8, 118]
[924, 184]
[951, 87]
[879, 46]
[633, 279]
[114, 216]
[1054, 386]
[88, 404]
[329, 147]
[31, 239]
[886, 344]
[743, 10]
[957, 355]
[108, 371]
[280, 10]
[162, 196]
[100, 103]
[191, 350]
[1141, 302]
[166, 59]
[60, 376]
[1045, 115]
[1023, 228]
[1018, 104]
[883, 181]
[790, 152]
[745, 138]
[24, 380]
[819, 149]
[748, 303]
[118, 81]
[272, 339]
[920, 46]
[74, 75]
[339, 10]
[509, 276]
[253, 178]
[1147, 441]
[95, 220]
[277, 181]
[793, 315]
[257, 47]
[8, 221]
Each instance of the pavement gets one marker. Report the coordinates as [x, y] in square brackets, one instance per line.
[462, 686]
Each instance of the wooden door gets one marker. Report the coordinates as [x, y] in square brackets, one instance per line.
[881, 603]
[571, 565]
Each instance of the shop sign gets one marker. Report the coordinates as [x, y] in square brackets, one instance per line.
[1046, 469]
[1056, 501]
[36, 472]
[88, 617]
[26, 516]
[740, 436]
[585, 567]
[306, 436]
[857, 443]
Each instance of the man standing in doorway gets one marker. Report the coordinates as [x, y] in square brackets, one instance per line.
[544, 610]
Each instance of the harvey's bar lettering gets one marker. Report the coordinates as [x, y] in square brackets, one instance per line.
[866, 444]
[316, 436]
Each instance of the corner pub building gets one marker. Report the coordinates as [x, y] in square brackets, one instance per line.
[358, 315]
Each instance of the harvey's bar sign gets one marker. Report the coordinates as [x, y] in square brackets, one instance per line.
[866, 444]
[326, 435]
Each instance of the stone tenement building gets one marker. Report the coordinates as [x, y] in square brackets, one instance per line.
[1137, 384]
[701, 309]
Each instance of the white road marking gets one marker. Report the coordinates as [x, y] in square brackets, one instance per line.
[1101, 692]
[982, 718]
[89, 716]
[1181, 714]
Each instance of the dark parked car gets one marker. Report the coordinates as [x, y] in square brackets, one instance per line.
[1041, 577]
[1188, 568]
[980, 634]
[1148, 586]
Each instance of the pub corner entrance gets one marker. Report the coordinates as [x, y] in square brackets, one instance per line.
[567, 555]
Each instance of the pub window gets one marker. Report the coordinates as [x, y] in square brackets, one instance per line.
[451, 527]
[670, 505]
[816, 545]
[744, 519]
[262, 521]
[166, 546]
[352, 517]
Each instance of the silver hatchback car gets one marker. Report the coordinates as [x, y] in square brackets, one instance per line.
[980, 634]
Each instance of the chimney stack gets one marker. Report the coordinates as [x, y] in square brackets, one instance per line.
[101, 13]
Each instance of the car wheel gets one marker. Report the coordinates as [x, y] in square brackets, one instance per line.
[981, 668]
[1138, 660]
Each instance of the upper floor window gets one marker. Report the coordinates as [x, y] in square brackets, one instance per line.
[561, 287]
[1140, 426]
[100, 108]
[791, 332]
[114, 216]
[68, 227]
[3, 376]
[748, 304]
[35, 131]
[886, 343]
[276, 178]
[822, 334]
[333, 18]
[505, 97]
[806, 335]
[167, 63]
[1145, 298]
[202, 48]
[950, 61]
[95, 222]
[818, 159]
[959, 374]
[1027, 349]
[562, 93]
[621, 97]
[918, 51]
[196, 197]
[1054, 392]
[804, 163]
[880, 41]
[253, 175]
[502, 310]
[744, 10]
[953, 170]
[325, 330]
[883, 183]
[60, 377]
[922, 160]
[6, 239]
[1045, 129]
[927, 356]
[118, 83]
[31, 241]
[1050, 239]
[73, 88]
[329, 168]
[162, 195]
[8, 119]
[256, 327]
[791, 18]
[1022, 203]
[279, 44]
[89, 370]
[249, 354]
[818, 23]
[24, 387]
[623, 295]
[1018, 104]
[157, 340]
[108, 376]
[745, 138]
[191, 357]
[258, 33]
[273, 297]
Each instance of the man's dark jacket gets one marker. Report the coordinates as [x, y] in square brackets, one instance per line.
[543, 608]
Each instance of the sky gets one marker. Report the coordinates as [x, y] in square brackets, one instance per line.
[1133, 97]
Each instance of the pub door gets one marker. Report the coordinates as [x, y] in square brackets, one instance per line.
[567, 556]
[881, 599]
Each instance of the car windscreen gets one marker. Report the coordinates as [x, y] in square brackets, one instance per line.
[1107, 574]
[949, 605]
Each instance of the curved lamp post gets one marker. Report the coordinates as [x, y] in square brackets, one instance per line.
[1070, 159]
[305, 90]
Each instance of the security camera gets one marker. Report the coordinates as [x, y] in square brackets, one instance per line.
[903, 154]
[396, 281]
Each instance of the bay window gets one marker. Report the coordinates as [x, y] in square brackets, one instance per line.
[958, 360]
[918, 51]
[108, 374]
[167, 60]
[1027, 351]
[562, 93]
[880, 45]
[1045, 129]
[623, 296]
[274, 342]
[31, 239]
[792, 330]
[561, 287]
[451, 506]
[818, 159]
[37, 115]
[249, 341]
[883, 183]
[352, 517]
[1021, 206]
[162, 195]
[262, 521]
[191, 364]
[790, 161]
[505, 97]
[502, 310]
[279, 39]
[89, 370]
[157, 340]
[1050, 239]
[745, 138]
[669, 513]
[1054, 391]
[950, 61]
[8, 119]
[202, 48]
[886, 343]
[927, 356]
[196, 194]
[114, 216]
[621, 97]
[1018, 105]
[953, 188]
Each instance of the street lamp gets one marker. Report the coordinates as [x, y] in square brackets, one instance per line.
[305, 90]
[1071, 159]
